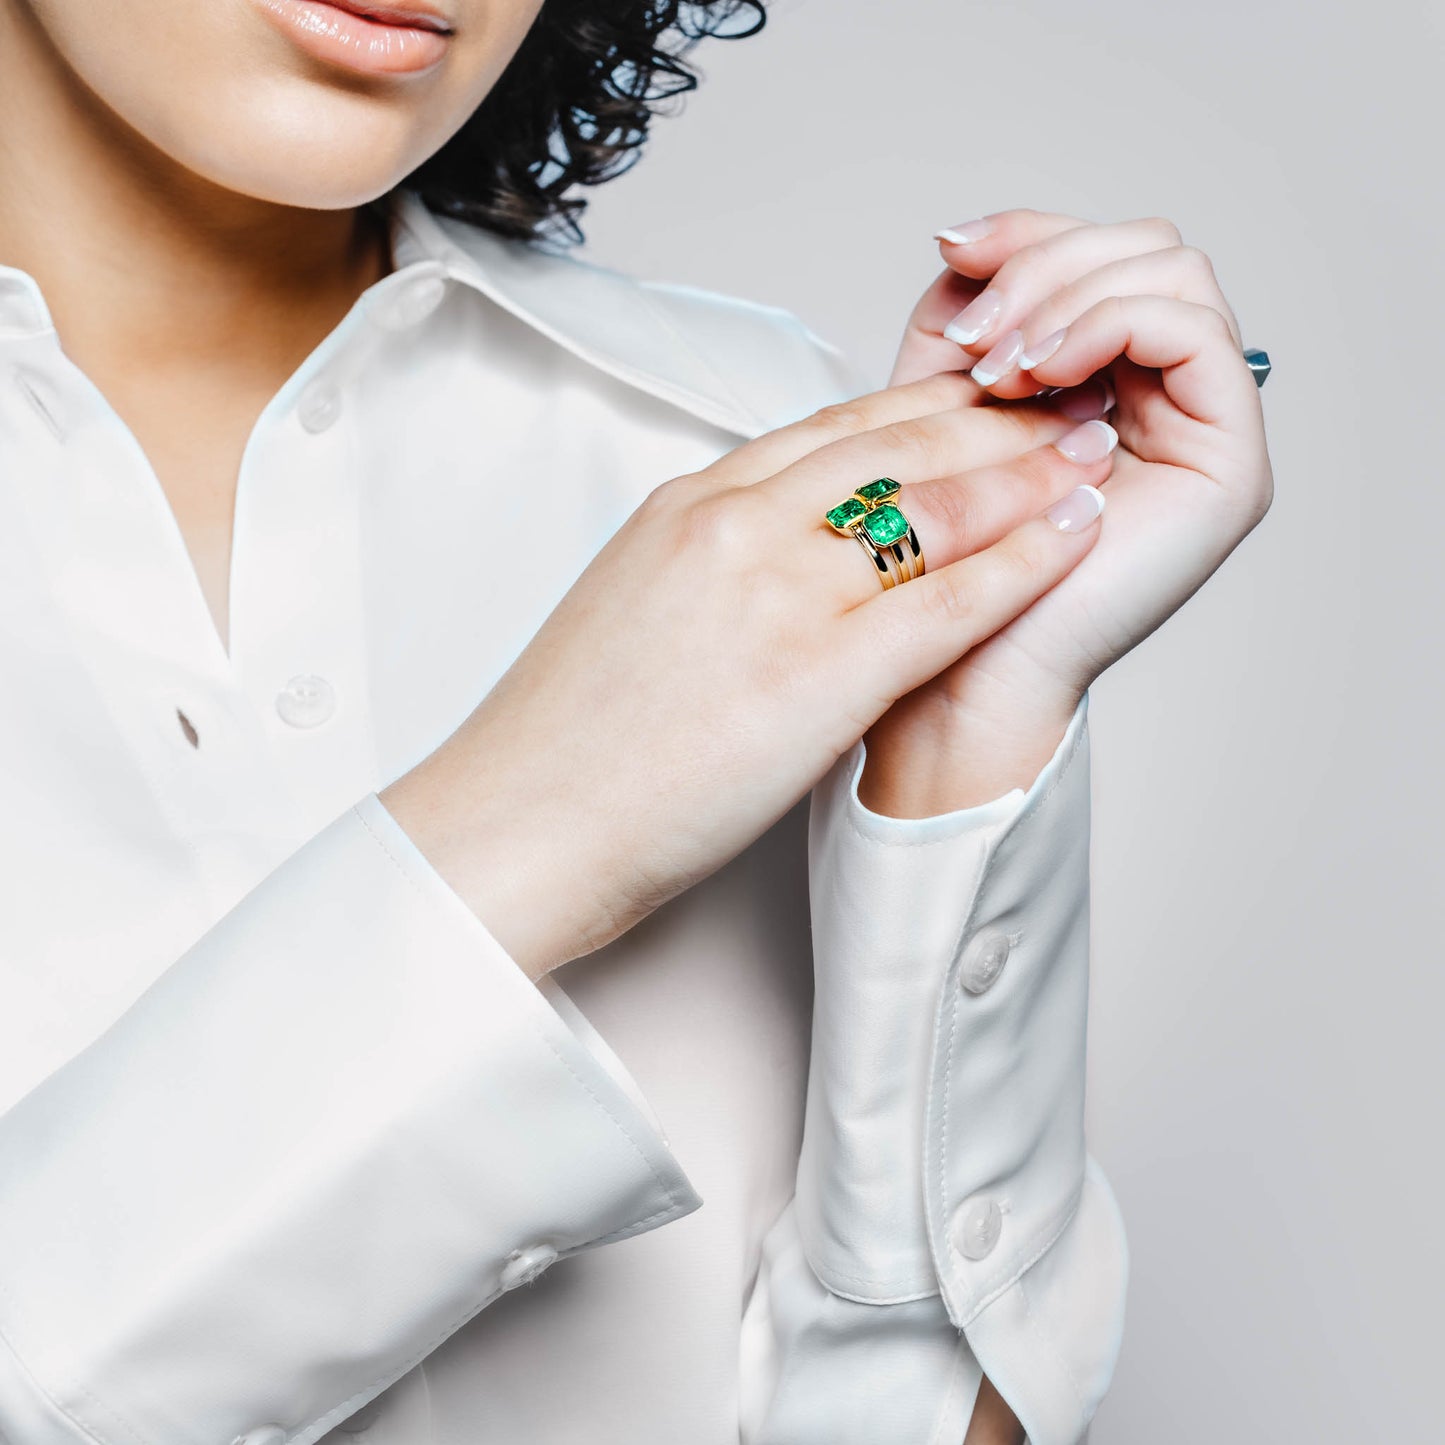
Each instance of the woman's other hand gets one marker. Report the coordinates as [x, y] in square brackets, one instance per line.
[1034, 301]
[726, 646]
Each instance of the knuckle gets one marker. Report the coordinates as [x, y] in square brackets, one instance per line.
[953, 506]
[843, 418]
[1197, 262]
[1031, 559]
[1218, 323]
[1165, 228]
[917, 439]
[944, 390]
[1263, 498]
[1021, 266]
[1019, 423]
[716, 524]
[678, 492]
[951, 598]
[1037, 474]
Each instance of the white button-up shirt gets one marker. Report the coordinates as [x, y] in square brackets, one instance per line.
[290, 1146]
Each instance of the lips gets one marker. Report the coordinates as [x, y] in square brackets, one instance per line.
[393, 39]
[414, 17]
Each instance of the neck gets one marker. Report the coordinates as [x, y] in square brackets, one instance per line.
[132, 251]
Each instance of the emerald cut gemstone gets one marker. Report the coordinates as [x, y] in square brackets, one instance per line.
[876, 491]
[846, 512]
[886, 525]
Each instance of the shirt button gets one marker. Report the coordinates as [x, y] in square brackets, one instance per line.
[266, 1435]
[412, 302]
[976, 1228]
[306, 701]
[319, 406]
[987, 953]
[524, 1265]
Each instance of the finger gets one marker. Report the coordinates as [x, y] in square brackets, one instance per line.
[923, 348]
[1204, 373]
[943, 447]
[1028, 277]
[978, 248]
[956, 517]
[911, 632]
[765, 455]
[1183, 272]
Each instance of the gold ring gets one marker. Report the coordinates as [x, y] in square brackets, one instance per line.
[873, 516]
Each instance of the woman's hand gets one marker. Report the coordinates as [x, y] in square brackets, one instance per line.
[1049, 301]
[725, 648]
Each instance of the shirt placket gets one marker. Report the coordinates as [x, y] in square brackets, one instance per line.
[298, 600]
[248, 753]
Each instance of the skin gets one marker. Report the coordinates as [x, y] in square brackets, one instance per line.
[173, 172]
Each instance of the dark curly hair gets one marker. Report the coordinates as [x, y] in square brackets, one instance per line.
[572, 108]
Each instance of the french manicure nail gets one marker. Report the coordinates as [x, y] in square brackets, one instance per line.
[976, 319]
[1089, 443]
[1000, 361]
[966, 234]
[1045, 349]
[1076, 511]
[1093, 399]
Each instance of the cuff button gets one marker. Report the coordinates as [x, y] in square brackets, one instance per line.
[983, 961]
[976, 1228]
[524, 1265]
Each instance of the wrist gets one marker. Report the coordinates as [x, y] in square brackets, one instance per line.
[929, 755]
[489, 850]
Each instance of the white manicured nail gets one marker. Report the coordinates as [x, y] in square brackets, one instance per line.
[976, 319]
[1089, 443]
[1045, 349]
[1079, 509]
[966, 234]
[1000, 361]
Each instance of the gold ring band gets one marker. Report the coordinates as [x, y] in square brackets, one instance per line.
[873, 516]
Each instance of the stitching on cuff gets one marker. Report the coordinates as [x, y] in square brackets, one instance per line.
[50, 1399]
[1047, 1341]
[1014, 1271]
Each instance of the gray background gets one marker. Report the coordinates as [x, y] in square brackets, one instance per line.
[1265, 1044]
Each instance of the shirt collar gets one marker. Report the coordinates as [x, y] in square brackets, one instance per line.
[605, 317]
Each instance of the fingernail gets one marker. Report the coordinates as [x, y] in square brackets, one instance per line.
[975, 319]
[966, 234]
[1076, 511]
[1089, 443]
[1000, 360]
[1094, 398]
[1045, 349]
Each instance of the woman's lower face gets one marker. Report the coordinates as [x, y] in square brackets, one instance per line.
[298, 102]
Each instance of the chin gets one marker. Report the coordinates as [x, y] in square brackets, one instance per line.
[319, 151]
[269, 110]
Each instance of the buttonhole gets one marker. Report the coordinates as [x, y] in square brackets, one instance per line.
[37, 394]
[188, 728]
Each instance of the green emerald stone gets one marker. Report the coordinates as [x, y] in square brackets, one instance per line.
[886, 525]
[875, 491]
[846, 512]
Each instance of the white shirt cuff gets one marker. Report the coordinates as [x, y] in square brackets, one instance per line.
[346, 1078]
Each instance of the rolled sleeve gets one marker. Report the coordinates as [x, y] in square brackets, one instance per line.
[337, 1128]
